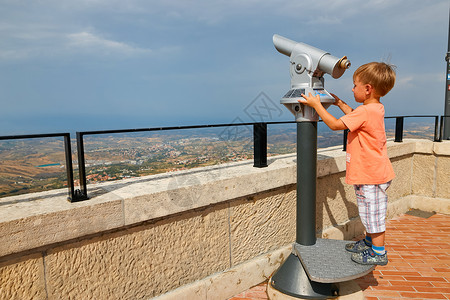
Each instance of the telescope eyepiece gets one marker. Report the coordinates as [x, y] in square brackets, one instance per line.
[344, 63]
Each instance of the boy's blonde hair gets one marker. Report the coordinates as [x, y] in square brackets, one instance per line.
[378, 74]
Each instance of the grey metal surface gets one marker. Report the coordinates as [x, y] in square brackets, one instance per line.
[291, 279]
[318, 60]
[327, 261]
[308, 65]
[306, 183]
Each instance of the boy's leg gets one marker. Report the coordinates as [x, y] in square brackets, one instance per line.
[366, 242]
[378, 238]
[378, 242]
[372, 205]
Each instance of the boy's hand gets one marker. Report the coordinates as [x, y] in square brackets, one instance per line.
[336, 99]
[311, 100]
[341, 104]
[314, 102]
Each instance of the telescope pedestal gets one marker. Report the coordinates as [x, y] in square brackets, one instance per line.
[310, 272]
[314, 265]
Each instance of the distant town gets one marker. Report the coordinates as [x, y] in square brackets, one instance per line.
[34, 165]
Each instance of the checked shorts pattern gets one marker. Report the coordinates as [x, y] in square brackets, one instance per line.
[372, 205]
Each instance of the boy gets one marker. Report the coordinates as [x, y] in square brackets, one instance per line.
[368, 166]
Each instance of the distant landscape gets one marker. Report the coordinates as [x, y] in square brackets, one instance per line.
[34, 165]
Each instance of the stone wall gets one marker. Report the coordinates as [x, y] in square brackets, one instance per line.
[206, 233]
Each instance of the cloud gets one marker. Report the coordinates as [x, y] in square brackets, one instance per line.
[405, 81]
[24, 42]
[417, 80]
[94, 44]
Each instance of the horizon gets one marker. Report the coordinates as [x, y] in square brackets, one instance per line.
[82, 65]
[410, 123]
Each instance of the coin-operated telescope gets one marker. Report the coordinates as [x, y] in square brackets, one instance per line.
[308, 66]
[315, 266]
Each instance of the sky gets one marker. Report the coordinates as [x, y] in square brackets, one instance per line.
[69, 65]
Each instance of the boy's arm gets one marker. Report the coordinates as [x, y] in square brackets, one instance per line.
[341, 104]
[329, 119]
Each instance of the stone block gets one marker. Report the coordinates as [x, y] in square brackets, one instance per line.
[443, 176]
[195, 189]
[401, 185]
[330, 162]
[398, 207]
[346, 231]
[246, 275]
[423, 178]
[142, 261]
[233, 281]
[56, 225]
[400, 149]
[439, 205]
[336, 201]
[442, 148]
[23, 278]
[334, 233]
[262, 222]
[423, 146]
[196, 290]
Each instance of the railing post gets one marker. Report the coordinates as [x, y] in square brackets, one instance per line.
[344, 142]
[260, 145]
[399, 129]
[69, 167]
[441, 131]
[82, 193]
[436, 129]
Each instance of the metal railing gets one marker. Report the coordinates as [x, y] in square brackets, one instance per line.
[72, 197]
[259, 144]
[399, 122]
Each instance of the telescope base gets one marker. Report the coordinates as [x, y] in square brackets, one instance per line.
[291, 279]
[311, 272]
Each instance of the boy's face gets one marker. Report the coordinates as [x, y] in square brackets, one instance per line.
[359, 90]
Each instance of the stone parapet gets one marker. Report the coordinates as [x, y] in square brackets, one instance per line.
[190, 230]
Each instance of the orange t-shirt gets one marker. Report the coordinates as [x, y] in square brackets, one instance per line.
[367, 159]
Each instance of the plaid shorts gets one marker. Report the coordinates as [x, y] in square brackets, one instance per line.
[372, 205]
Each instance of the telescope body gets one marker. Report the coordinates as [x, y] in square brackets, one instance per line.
[308, 65]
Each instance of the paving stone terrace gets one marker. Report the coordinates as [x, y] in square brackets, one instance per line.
[208, 233]
[418, 247]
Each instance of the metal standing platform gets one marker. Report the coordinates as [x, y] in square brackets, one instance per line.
[327, 261]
